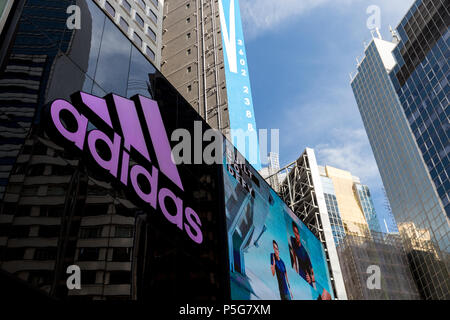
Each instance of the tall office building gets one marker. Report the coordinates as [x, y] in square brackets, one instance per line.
[389, 221]
[350, 202]
[402, 92]
[272, 173]
[5, 8]
[141, 21]
[360, 242]
[204, 57]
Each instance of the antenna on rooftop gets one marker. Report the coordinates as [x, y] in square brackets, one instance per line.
[395, 37]
[378, 33]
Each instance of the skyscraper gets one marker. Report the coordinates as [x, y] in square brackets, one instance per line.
[402, 92]
[204, 57]
[272, 173]
[5, 8]
[141, 21]
[350, 203]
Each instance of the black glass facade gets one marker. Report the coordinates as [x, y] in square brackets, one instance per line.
[56, 209]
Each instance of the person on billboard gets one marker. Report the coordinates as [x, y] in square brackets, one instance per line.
[324, 296]
[300, 258]
[279, 268]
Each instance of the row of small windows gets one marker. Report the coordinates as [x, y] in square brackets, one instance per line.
[140, 21]
[122, 254]
[110, 9]
[53, 231]
[151, 14]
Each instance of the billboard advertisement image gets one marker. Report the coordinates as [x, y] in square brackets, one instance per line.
[272, 254]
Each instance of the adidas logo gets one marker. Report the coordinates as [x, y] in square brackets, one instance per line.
[113, 128]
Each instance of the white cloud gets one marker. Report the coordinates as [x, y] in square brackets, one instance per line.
[350, 150]
[267, 15]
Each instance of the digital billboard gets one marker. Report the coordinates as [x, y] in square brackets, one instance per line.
[240, 101]
[272, 254]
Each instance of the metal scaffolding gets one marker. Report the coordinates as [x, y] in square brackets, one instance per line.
[297, 190]
[360, 254]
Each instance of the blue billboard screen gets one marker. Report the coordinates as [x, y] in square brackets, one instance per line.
[243, 129]
[272, 254]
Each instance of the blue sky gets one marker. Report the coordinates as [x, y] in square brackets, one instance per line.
[300, 54]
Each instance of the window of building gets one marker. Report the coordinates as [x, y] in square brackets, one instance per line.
[123, 24]
[121, 254]
[14, 254]
[188, 19]
[188, 35]
[137, 40]
[40, 278]
[119, 277]
[108, 79]
[153, 16]
[189, 88]
[188, 51]
[23, 211]
[124, 231]
[4, 229]
[88, 276]
[189, 69]
[110, 9]
[27, 149]
[90, 232]
[88, 254]
[56, 191]
[155, 3]
[139, 20]
[36, 170]
[19, 169]
[149, 52]
[49, 231]
[51, 211]
[66, 170]
[140, 68]
[20, 231]
[40, 149]
[96, 209]
[142, 3]
[126, 5]
[45, 253]
[151, 34]
[188, 5]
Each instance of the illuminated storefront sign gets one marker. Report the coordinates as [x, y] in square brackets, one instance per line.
[114, 131]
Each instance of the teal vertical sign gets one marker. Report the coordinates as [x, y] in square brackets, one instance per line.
[243, 129]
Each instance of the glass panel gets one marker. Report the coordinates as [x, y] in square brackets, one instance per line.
[112, 62]
[140, 69]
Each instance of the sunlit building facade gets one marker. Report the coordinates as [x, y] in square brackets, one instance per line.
[402, 92]
[350, 202]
